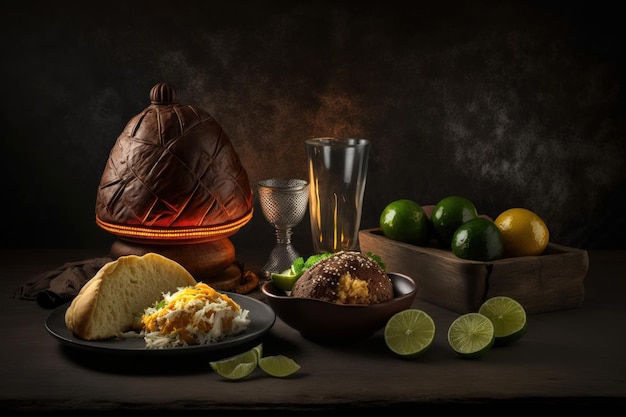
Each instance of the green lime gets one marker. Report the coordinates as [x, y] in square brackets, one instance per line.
[285, 280]
[405, 221]
[478, 239]
[471, 335]
[278, 366]
[508, 317]
[448, 214]
[409, 333]
[238, 366]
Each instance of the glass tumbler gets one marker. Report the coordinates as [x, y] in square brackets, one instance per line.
[337, 177]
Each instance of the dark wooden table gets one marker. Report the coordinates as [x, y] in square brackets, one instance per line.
[573, 357]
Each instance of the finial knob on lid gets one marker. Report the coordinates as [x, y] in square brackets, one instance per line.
[163, 93]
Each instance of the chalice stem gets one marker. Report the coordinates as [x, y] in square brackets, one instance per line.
[283, 236]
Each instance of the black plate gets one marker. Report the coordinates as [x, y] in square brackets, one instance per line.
[261, 316]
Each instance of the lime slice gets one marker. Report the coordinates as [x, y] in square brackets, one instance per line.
[409, 333]
[238, 366]
[278, 366]
[284, 280]
[508, 318]
[471, 335]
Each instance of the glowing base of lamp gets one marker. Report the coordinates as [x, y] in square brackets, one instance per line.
[209, 262]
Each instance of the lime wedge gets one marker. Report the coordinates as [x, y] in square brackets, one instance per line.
[278, 366]
[258, 349]
[508, 318]
[285, 280]
[471, 335]
[409, 333]
[238, 366]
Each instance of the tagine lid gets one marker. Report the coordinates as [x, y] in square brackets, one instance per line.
[173, 174]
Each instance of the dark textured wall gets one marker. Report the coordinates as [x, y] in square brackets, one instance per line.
[509, 103]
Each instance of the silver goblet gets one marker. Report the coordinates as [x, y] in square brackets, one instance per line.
[284, 203]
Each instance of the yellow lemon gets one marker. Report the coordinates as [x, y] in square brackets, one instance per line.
[523, 232]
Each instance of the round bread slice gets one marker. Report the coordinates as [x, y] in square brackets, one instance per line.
[111, 302]
[347, 277]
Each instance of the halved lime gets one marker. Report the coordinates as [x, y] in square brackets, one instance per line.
[471, 335]
[238, 366]
[285, 280]
[508, 318]
[409, 333]
[278, 366]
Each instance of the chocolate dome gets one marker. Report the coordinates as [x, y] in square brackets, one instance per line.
[173, 175]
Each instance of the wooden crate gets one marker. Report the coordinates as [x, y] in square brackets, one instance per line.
[551, 281]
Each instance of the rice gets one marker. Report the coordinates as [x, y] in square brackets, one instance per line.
[196, 315]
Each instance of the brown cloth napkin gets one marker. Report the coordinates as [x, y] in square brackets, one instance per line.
[54, 288]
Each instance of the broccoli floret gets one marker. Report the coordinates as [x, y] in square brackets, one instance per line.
[313, 259]
[298, 266]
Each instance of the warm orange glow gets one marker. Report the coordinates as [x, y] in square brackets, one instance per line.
[173, 234]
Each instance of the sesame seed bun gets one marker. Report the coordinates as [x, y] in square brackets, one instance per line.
[347, 277]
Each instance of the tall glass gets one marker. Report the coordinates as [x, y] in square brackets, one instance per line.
[337, 176]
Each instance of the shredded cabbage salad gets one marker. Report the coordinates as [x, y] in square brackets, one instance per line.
[195, 315]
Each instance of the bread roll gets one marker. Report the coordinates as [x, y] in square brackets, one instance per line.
[113, 300]
[345, 278]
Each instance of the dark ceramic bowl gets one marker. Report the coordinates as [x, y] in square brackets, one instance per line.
[325, 322]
